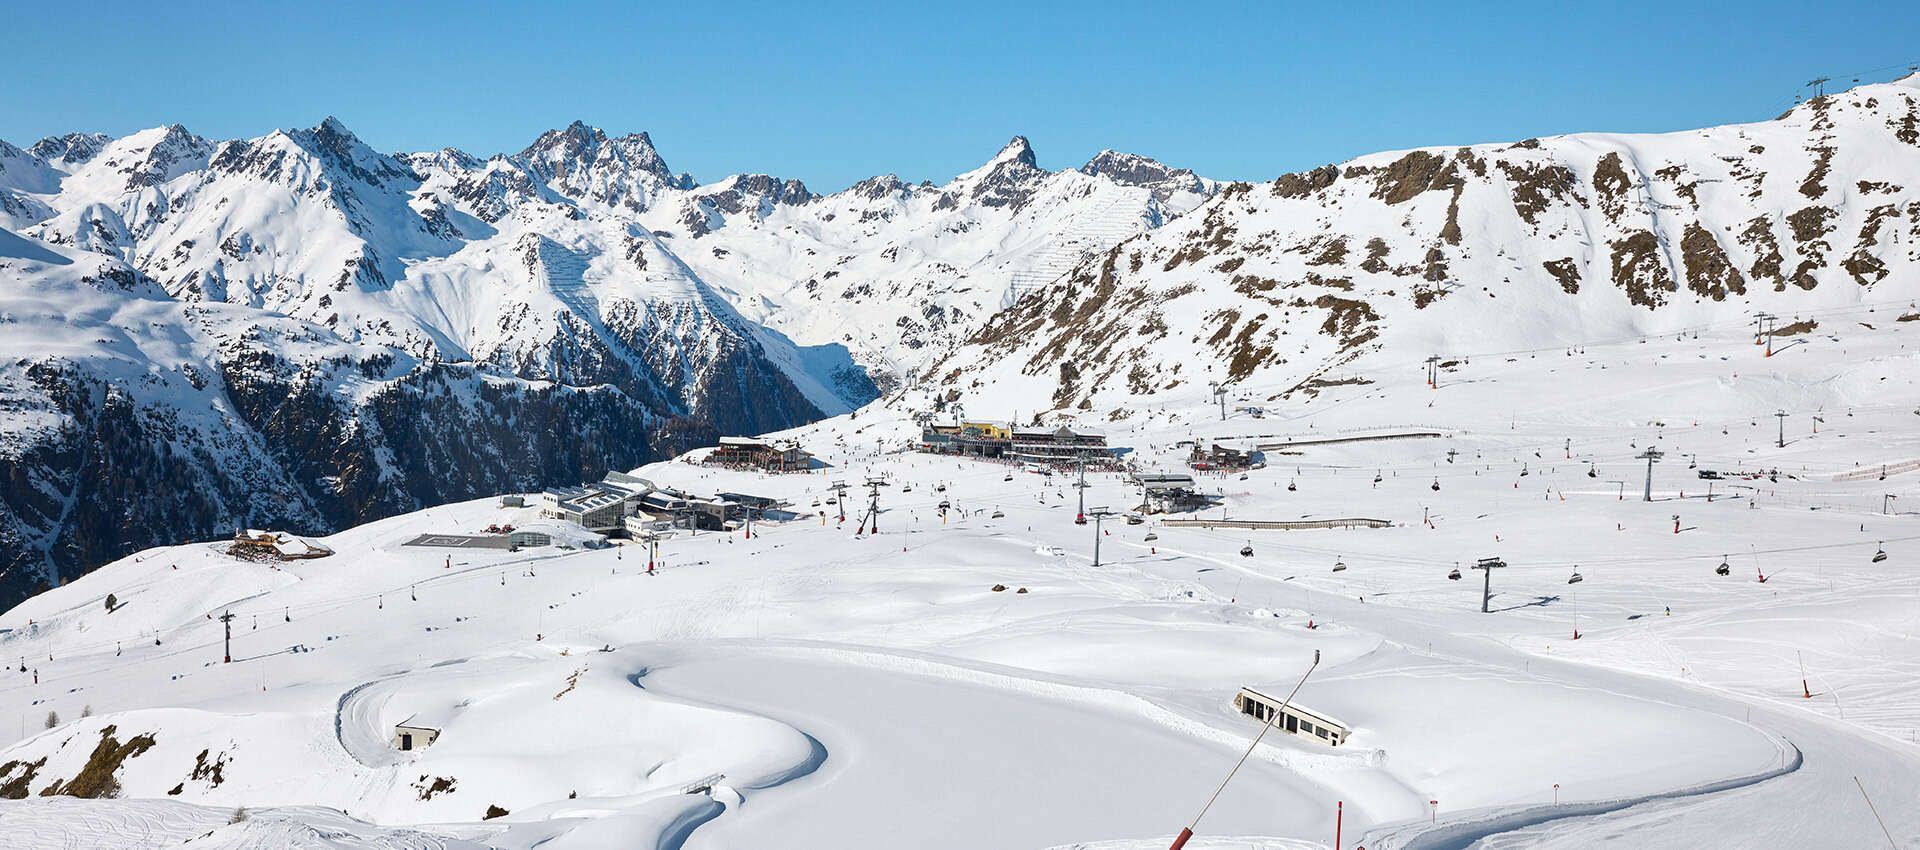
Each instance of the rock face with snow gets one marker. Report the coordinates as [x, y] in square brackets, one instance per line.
[299, 331]
[1542, 243]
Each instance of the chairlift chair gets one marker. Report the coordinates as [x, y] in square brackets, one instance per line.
[1724, 568]
[1339, 565]
[1246, 551]
[1290, 485]
[1880, 554]
[1576, 578]
[1454, 574]
[1591, 473]
[997, 514]
[944, 504]
[1436, 485]
[1151, 537]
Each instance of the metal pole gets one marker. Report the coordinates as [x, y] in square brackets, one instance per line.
[1081, 512]
[1651, 455]
[1098, 514]
[226, 619]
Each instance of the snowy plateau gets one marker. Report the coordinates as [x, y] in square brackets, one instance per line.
[1698, 526]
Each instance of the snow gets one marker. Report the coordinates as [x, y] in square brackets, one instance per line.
[875, 690]
[875, 687]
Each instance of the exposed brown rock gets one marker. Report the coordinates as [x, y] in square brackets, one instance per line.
[1758, 237]
[1376, 256]
[1709, 272]
[1815, 184]
[1302, 184]
[1410, 175]
[1611, 182]
[1639, 268]
[1566, 272]
[1536, 187]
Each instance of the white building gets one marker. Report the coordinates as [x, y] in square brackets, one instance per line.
[413, 734]
[1293, 718]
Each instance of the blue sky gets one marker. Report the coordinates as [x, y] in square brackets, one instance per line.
[832, 93]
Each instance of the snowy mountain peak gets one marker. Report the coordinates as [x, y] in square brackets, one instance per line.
[152, 156]
[1006, 180]
[72, 149]
[1146, 172]
[581, 145]
[1017, 149]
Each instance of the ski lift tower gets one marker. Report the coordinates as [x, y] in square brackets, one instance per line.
[1098, 514]
[839, 489]
[1487, 566]
[1080, 513]
[1651, 456]
[1781, 441]
[871, 522]
[1220, 395]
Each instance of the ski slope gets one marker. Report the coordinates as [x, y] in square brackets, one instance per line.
[874, 690]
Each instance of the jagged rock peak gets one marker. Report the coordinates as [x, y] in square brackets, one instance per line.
[580, 144]
[72, 148]
[333, 142]
[875, 188]
[1017, 149]
[1131, 169]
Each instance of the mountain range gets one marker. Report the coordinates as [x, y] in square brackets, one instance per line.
[298, 331]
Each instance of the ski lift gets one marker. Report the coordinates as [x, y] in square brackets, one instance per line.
[1575, 578]
[944, 504]
[1724, 568]
[942, 488]
[1376, 478]
[1009, 477]
[1339, 565]
[1880, 554]
[1151, 537]
[1436, 485]
[1243, 476]
[1454, 574]
[1135, 520]
[998, 514]
[1246, 551]
[1591, 473]
[816, 503]
[906, 488]
[1291, 487]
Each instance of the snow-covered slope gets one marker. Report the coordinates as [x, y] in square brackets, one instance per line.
[967, 677]
[1544, 243]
